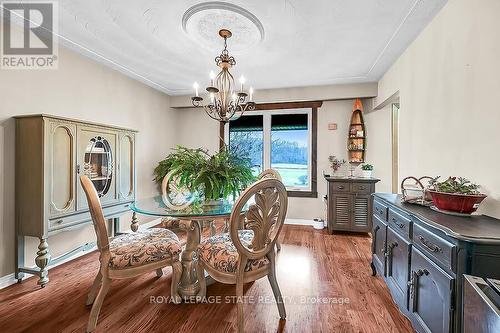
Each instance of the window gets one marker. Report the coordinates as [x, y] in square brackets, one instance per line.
[280, 139]
[246, 138]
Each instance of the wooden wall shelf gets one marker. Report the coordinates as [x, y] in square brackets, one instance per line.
[356, 145]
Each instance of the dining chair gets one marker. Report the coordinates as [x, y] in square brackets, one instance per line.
[271, 173]
[245, 255]
[128, 255]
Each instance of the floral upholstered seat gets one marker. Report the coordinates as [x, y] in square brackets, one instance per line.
[220, 253]
[143, 247]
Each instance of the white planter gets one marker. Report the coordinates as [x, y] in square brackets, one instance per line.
[367, 173]
[318, 224]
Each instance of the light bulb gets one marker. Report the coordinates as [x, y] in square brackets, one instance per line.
[242, 82]
[212, 77]
[251, 94]
[195, 86]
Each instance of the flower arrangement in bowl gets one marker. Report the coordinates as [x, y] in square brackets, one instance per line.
[367, 170]
[335, 163]
[214, 176]
[455, 195]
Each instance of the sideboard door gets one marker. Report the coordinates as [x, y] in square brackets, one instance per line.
[431, 291]
[61, 159]
[96, 156]
[126, 172]
[397, 267]
[379, 235]
[362, 212]
[341, 211]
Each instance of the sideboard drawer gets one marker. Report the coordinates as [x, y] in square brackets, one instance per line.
[361, 188]
[438, 248]
[340, 186]
[380, 210]
[400, 222]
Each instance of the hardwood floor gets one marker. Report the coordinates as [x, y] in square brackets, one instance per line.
[312, 267]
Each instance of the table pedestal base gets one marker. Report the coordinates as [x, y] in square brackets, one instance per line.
[189, 285]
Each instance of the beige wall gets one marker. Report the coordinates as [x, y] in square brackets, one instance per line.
[203, 132]
[448, 81]
[85, 90]
[378, 145]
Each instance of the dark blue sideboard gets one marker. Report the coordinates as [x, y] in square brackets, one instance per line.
[422, 256]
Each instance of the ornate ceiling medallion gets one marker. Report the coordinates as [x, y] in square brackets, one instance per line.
[202, 22]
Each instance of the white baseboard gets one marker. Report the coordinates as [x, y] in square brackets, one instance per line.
[7, 280]
[299, 222]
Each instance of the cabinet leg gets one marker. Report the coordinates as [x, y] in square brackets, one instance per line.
[135, 223]
[42, 260]
[374, 270]
[19, 258]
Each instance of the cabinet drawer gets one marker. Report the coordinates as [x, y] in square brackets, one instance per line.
[67, 221]
[435, 246]
[380, 210]
[340, 187]
[400, 222]
[361, 188]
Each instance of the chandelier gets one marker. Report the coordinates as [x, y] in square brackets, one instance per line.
[224, 101]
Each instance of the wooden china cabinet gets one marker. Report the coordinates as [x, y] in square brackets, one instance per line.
[51, 153]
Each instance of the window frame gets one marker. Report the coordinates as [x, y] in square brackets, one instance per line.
[267, 110]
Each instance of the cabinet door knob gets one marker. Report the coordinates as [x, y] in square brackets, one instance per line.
[341, 187]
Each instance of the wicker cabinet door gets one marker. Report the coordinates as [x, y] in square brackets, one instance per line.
[361, 213]
[431, 291]
[341, 205]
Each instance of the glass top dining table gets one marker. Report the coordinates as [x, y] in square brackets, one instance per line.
[154, 206]
[191, 220]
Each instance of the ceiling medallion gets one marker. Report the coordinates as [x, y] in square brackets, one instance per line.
[202, 22]
[224, 101]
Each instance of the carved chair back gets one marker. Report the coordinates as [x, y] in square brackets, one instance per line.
[96, 212]
[267, 203]
[270, 173]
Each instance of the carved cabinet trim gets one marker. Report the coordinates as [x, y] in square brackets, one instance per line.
[54, 163]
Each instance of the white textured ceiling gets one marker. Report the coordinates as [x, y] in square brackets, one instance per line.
[300, 43]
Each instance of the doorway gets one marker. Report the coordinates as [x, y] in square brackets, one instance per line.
[395, 146]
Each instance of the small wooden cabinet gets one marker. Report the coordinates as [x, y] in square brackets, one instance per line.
[51, 153]
[350, 203]
[423, 255]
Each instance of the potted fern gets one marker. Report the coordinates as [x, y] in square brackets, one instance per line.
[214, 177]
[456, 194]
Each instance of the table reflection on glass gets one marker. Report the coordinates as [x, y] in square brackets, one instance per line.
[190, 219]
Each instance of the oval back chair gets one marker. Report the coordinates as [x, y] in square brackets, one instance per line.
[245, 255]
